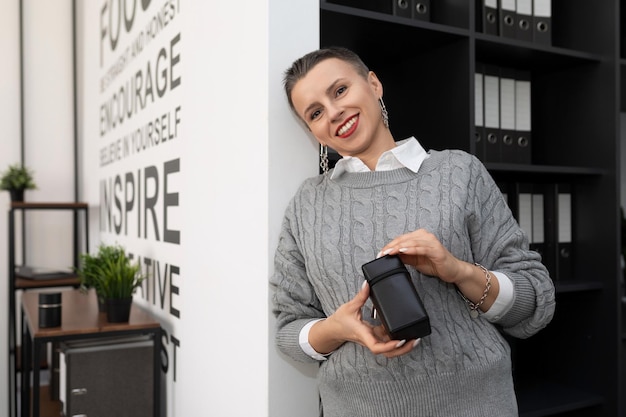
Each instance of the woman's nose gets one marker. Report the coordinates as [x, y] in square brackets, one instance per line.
[335, 112]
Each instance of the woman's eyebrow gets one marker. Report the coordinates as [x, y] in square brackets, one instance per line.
[329, 91]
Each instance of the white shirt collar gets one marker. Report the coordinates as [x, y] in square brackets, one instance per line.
[408, 153]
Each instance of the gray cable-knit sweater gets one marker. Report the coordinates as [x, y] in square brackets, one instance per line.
[463, 368]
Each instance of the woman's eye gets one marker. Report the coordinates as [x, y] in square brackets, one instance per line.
[340, 90]
[315, 114]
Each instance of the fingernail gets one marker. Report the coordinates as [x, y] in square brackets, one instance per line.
[379, 255]
[417, 342]
[403, 250]
[364, 284]
[400, 343]
[386, 252]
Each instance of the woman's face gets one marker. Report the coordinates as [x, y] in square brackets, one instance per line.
[341, 108]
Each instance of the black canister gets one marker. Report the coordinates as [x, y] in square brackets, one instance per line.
[49, 309]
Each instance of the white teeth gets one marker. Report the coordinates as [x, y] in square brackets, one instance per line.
[347, 126]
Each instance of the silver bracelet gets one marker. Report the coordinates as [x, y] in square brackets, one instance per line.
[475, 306]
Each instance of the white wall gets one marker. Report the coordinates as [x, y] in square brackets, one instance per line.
[241, 155]
[293, 31]
[9, 154]
[232, 55]
[48, 127]
[48, 133]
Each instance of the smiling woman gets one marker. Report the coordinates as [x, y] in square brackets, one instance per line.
[340, 103]
[442, 214]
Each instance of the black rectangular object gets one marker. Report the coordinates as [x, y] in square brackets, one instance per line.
[49, 309]
[402, 8]
[107, 377]
[490, 16]
[41, 273]
[395, 298]
[421, 10]
[542, 22]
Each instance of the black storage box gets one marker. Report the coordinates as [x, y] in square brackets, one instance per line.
[396, 299]
[107, 377]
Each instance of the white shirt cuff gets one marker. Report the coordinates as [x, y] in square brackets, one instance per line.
[504, 300]
[303, 339]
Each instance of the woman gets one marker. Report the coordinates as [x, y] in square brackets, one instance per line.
[442, 213]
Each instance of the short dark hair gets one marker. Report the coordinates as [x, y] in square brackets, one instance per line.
[301, 67]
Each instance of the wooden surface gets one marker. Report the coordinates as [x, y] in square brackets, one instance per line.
[47, 205]
[49, 407]
[79, 315]
[25, 283]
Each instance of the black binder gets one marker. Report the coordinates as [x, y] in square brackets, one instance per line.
[542, 21]
[564, 204]
[524, 9]
[523, 118]
[508, 19]
[479, 117]
[421, 9]
[537, 242]
[403, 8]
[508, 148]
[491, 99]
[525, 211]
[490, 16]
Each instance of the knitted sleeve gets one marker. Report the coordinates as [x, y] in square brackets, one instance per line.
[294, 300]
[499, 244]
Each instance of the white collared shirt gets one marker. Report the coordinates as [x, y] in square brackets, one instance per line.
[410, 154]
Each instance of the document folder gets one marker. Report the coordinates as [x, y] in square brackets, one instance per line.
[542, 21]
[525, 213]
[508, 20]
[492, 113]
[479, 118]
[490, 17]
[403, 8]
[565, 235]
[524, 9]
[523, 113]
[537, 242]
[421, 9]
[508, 148]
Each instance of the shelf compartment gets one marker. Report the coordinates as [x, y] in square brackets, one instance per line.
[446, 15]
[382, 34]
[49, 407]
[527, 55]
[500, 168]
[569, 286]
[544, 169]
[547, 398]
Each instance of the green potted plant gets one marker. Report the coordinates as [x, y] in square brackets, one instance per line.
[114, 277]
[90, 270]
[15, 179]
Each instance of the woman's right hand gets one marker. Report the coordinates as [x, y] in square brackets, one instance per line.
[346, 324]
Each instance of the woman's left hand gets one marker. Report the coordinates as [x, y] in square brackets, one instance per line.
[425, 252]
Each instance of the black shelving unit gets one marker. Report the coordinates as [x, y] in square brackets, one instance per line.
[574, 366]
[17, 282]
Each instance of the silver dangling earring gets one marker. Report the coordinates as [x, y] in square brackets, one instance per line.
[324, 158]
[383, 109]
